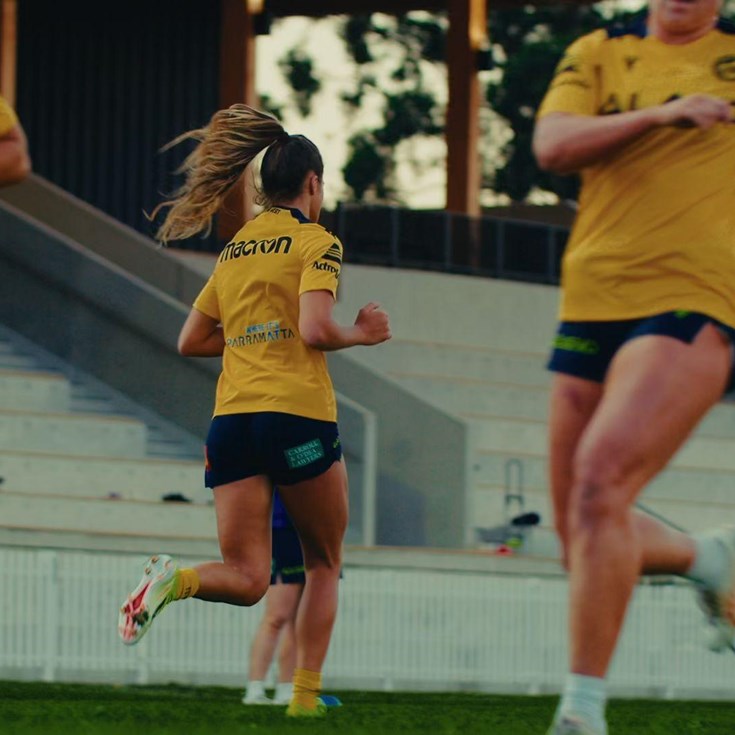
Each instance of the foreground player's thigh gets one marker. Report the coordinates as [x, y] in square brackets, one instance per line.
[572, 403]
[657, 390]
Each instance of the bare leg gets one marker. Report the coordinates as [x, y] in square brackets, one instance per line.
[287, 650]
[573, 403]
[318, 510]
[244, 531]
[657, 391]
[281, 602]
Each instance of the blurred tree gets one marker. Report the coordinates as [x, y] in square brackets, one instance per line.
[409, 106]
[298, 69]
[526, 42]
[366, 166]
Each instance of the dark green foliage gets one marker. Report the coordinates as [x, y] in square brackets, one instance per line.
[427, 37]
[298, 69]
[407, 114]
[409, 110]
[354, 98]
[355, 31]
[527, 41]
[532, 40]
[365, 167]
[267, 104]
[61, 709]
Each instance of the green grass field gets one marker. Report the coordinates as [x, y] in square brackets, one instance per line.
[61, 709]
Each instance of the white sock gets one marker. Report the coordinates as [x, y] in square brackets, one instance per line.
[284, 691]
[254, 690]
[711, 561]
[584, 697]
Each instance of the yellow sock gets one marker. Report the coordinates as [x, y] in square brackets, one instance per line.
[306, 688]
[186, 583]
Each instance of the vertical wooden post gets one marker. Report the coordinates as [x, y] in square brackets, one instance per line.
[237, 84]
[467, 23]
[8, 49]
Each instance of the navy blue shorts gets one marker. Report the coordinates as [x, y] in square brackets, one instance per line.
[586, 349]
[287, 560]
[286, 448]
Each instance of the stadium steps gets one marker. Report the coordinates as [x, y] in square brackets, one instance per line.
[90, 539]
[24, 391]
[403, 357]
[480, 399]
[678, 482]
[695, 513]
[504, 396]
[85, 396]
[511, 434]
[82, 465]
[139, 478]
[689, 497]
[80, 433]
[69, 514]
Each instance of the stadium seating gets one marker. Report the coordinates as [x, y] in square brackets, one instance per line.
[459, 395]
[78, 460]
[491, 374]
[111, 303]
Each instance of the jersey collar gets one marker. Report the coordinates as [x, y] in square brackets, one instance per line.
[297, 214]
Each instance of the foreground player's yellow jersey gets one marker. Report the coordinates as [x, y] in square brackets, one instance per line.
[656, 225]
[254, 291]
[8, 120]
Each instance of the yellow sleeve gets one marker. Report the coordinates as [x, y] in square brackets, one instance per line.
[207, 301]
[321, 263]
[574, 87]
[8, 119]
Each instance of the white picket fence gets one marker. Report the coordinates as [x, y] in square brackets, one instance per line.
[396, 629]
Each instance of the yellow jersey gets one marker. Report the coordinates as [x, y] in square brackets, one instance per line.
[254, 292]
[655, 230]
[8, 120]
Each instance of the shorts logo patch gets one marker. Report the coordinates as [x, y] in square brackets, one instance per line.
[304, 454]
[576, 344]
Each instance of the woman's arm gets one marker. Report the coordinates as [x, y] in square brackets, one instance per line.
[201, 336]
[15, 163]
[565, 143]
[319, 330]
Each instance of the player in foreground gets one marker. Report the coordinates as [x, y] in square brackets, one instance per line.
[267, 309]
[15, 163]
[645, 344]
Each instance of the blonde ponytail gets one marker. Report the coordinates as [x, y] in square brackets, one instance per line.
[231, 140]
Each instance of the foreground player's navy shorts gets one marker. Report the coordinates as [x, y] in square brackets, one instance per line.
[286, 448]
[287, 561]
[586, 349]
